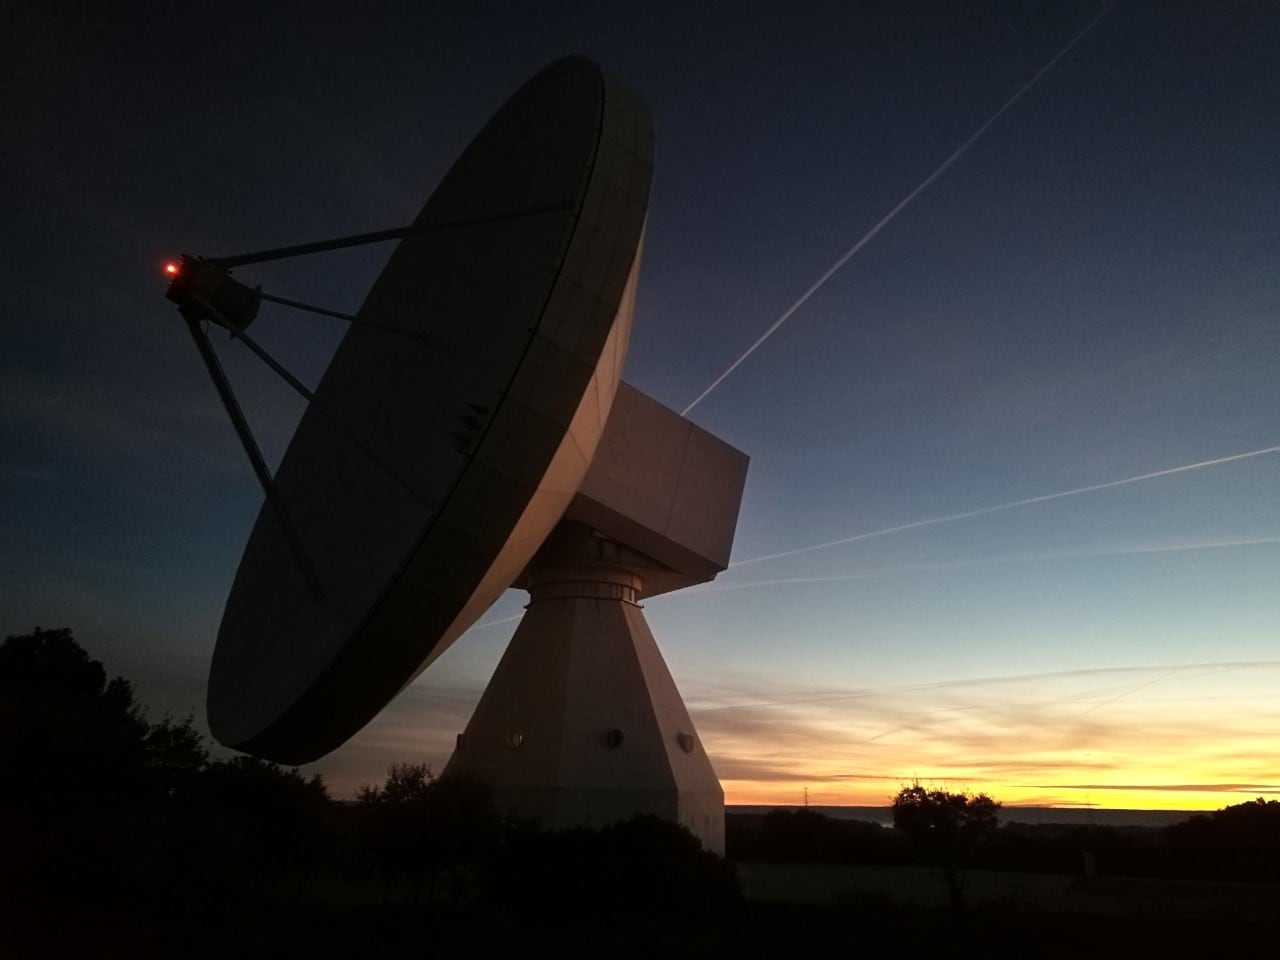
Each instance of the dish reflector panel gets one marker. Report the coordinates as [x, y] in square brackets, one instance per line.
[453, 425]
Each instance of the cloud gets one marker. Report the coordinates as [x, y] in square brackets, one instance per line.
[1177, 787]
[1010, 736]
[750, 695]
[1050, 800]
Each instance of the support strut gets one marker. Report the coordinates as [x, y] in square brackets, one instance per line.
[379, 236]
[228, 398]
[203, 290]
[308, 307]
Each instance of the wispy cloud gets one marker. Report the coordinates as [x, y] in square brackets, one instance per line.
[794, 695]
[1175, 787]
[1099, 731]
[1012, 736]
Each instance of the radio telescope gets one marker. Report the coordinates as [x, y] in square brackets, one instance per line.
[471, 434]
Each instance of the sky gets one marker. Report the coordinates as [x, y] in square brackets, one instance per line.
[938, 573]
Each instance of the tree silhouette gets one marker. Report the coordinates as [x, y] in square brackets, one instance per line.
[946, 827]
[1239, 842]
[397, 827]
[73, 755]
[417, 825]
[64, 719]
[468, 829]
[278, 819]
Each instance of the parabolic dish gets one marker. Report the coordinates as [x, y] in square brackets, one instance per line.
[453, 425]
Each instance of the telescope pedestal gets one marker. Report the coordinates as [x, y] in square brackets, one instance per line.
[582, 725]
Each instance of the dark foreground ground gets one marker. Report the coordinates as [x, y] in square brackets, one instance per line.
[788, 910]
[1139, 898]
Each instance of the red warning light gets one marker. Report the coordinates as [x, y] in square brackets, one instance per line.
[172, 268]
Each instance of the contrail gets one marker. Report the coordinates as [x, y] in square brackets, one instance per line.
[983, 511]
[902, 205]
[494, 623]
[1142, 686]
[983, 561]
[722, 587]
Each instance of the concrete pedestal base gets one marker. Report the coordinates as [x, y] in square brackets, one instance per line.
[582, 724]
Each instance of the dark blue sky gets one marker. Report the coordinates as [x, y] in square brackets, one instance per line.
[1089, 294]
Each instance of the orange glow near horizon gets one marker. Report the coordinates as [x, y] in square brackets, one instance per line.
[744, 793]
[1195, 737]
[1199, 737]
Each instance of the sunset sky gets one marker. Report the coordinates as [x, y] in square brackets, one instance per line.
[983, 414]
